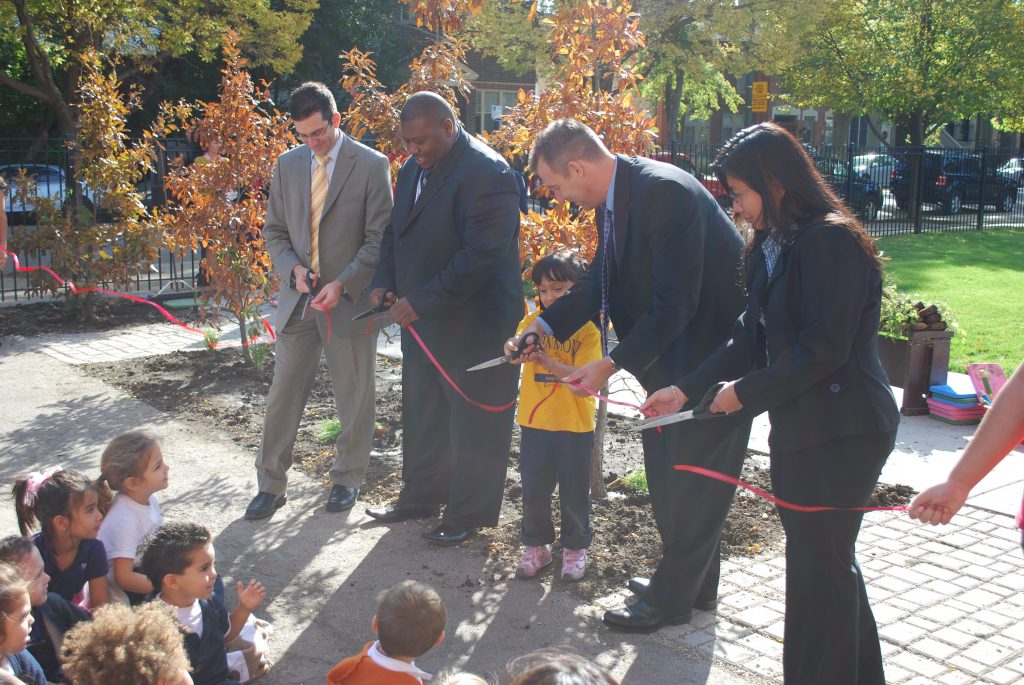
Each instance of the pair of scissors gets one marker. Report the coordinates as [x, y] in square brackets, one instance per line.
[701, 411]
[313, 290]
[530, 338]
[379, 309]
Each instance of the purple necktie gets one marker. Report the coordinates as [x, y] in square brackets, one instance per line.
[606, 270]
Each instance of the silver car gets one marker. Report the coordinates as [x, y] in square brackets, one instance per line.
[877, 166]
[50, 183]
[1013, 170]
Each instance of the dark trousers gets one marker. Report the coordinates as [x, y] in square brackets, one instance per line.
[452, 452]
[547, 458]
[690, 509]
[830, 633]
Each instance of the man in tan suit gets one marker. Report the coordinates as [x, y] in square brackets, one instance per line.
[330, 200]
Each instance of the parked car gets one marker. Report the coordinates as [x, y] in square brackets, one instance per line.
[952, 179]
[709, 181]
[50, 183]
[878, 166]
[863, 195]
[1013, 170]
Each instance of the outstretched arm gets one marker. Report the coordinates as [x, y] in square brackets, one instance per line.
[1000, 431]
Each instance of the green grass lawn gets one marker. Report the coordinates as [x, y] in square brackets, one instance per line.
[980, 276]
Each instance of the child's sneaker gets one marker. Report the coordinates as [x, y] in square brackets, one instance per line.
[534, 559]
[574, 563]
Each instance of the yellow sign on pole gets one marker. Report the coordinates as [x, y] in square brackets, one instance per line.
[759, 97]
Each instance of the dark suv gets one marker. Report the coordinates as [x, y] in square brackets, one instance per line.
[952, 179]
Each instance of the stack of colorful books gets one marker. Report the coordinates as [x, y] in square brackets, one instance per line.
[954, 406]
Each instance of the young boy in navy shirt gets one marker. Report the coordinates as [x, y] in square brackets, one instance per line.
[179, 561]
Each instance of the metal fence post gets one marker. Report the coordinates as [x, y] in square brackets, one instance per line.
[981, 188]
[849, 173]
[917, 205]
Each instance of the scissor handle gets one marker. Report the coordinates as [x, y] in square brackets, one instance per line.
[530, 338]
[704, 406]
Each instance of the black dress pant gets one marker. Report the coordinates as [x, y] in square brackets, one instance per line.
[452, 452]
[830, 633]
[690, 509]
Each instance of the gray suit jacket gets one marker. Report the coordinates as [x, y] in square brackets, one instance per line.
[357, 208]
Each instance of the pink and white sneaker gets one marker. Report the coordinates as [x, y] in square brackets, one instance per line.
[534, 559]
[574, 563]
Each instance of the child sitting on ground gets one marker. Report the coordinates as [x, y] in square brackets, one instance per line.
[16, 609]
[141, 646]
[557, 432]
[409, 622]
[52, 615]
[178, 558]
[64, 503]
[552, 667]
[133, 465]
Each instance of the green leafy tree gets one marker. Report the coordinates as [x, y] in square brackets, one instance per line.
[99, 237]
[49, 40]
[920, 63]
[694, 46]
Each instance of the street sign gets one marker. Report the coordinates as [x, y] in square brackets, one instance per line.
[759, 97]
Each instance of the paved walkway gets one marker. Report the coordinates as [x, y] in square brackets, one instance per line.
[948, 600]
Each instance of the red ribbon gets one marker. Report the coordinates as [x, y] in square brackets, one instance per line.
[764, 494]
[444, 374]
[580, 386]
[170, 317]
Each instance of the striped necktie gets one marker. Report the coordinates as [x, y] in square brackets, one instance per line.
[606, 268]
[318, 193]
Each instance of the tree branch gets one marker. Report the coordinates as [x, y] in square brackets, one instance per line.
[23, 88]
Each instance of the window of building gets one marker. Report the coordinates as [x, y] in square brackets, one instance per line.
[491, 102]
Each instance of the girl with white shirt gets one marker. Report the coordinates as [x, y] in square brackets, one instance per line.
[133, 465]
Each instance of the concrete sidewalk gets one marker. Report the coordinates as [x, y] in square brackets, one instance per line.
[947, 600]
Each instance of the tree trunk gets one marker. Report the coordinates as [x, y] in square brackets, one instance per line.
[916, 131]
[246, 352]
[840, 129]
[597, 488]
[673, 94]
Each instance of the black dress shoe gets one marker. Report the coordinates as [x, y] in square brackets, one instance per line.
[342, 498]
[263, 505]
[641, 617]
[638, 586]
[446, 536]
[402, 511]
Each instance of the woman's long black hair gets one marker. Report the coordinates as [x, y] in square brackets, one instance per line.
[768, 158]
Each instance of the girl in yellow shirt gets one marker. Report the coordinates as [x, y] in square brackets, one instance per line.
[557, 443]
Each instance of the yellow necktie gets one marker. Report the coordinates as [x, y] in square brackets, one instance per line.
[318, 193]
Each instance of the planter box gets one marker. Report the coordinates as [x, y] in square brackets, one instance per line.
[915, 364]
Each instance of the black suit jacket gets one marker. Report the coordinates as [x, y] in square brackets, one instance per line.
[454, 253]
[676, 288]
[813, 364]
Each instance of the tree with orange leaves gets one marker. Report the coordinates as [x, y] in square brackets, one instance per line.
[221, 205]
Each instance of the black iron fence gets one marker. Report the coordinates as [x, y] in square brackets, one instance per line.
[47, 165]
[894, 190]
[898, 190]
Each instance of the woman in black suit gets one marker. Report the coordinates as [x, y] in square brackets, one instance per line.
[804, 350]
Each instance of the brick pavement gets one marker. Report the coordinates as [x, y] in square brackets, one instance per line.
[948, 602]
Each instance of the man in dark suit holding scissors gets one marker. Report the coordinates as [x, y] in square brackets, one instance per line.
[450, 263]
[667, 275]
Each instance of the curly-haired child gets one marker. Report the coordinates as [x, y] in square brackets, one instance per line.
[141, 646]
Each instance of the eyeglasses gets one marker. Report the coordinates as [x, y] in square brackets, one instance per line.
[315, 134]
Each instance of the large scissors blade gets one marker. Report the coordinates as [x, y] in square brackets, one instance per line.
[530, 338]
[701, 411]
[370, 312]
[497, 361]
[657, 421]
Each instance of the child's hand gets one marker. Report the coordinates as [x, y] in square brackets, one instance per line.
[252, 596]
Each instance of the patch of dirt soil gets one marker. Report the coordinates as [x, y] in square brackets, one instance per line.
[220, 390]
[44, 318]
